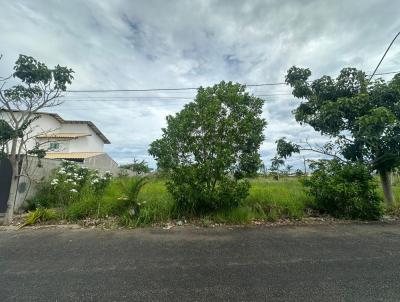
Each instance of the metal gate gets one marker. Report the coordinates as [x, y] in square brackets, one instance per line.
[5, 183]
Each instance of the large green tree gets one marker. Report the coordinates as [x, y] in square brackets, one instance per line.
[361, 117]
[209, 146]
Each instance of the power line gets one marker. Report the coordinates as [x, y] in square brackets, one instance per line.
[377, 66]
[149, 98]
[163, 89]
[191, 88]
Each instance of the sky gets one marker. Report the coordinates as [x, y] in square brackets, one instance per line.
[169, 44]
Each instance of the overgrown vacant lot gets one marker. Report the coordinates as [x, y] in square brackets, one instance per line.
[77, 193]
[268, 200]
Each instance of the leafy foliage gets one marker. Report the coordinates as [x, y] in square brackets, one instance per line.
[209, 146]
[363, 117]
[344, 190]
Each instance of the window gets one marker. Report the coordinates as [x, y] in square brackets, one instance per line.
[54, 146]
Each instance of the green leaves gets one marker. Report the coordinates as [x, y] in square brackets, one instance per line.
[369, 116]
[6, 132]
[374, 125]
[286, 149]
[214, 138]
[36, 75]
[365, 118]
[30, 71]
[344, 190]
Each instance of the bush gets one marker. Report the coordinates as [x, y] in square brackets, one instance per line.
[119, 198]
[43, 198]
[68, 185]
[344, 190]
[195, 197]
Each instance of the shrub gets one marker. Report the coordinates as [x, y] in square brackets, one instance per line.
[344, 190]
[209, 146]
[40, 215]
[43, 197]
[196, 197]
[68, 185]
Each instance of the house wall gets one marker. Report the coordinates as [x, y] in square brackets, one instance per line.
[92, 143]
[47, 123]
[63, 144]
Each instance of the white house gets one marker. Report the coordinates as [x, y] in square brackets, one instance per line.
[79, 141]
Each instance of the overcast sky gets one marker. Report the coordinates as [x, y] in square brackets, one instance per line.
[163, 44]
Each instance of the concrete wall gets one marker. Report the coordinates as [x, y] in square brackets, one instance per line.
[32, 175]
[102, 162]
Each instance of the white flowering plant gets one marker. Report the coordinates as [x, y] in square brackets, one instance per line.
[71, 179]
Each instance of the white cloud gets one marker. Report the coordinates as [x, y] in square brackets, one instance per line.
[147, 44]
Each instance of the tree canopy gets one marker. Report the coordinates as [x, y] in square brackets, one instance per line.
[39, 87]
[363, 118]
[210, 144]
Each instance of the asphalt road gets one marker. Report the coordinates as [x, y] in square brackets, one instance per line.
[308, 263]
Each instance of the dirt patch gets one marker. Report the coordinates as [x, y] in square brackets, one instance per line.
[111, 223]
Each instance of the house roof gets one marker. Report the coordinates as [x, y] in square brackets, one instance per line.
[71, 155]
[63, 135]
[62, 121]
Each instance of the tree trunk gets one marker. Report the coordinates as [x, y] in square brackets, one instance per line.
[386, 181]
[14, 184]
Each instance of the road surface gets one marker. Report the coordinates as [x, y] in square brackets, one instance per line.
[356, 262]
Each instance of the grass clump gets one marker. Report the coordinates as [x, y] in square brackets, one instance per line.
[272, 200]
[40, 215]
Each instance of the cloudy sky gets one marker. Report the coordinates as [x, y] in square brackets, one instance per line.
[169, 44]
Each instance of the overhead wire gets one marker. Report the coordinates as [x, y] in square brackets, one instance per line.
[185, 88]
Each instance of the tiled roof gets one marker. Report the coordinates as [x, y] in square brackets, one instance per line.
[63, 135]
[62, 121]
[71, 155]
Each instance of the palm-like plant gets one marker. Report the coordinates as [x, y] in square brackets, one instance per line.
[131, 189]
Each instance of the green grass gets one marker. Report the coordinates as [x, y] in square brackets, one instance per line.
[272, 200]
[268, 200]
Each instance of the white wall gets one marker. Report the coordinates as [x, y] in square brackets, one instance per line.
[47, 123]
[92, 143]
